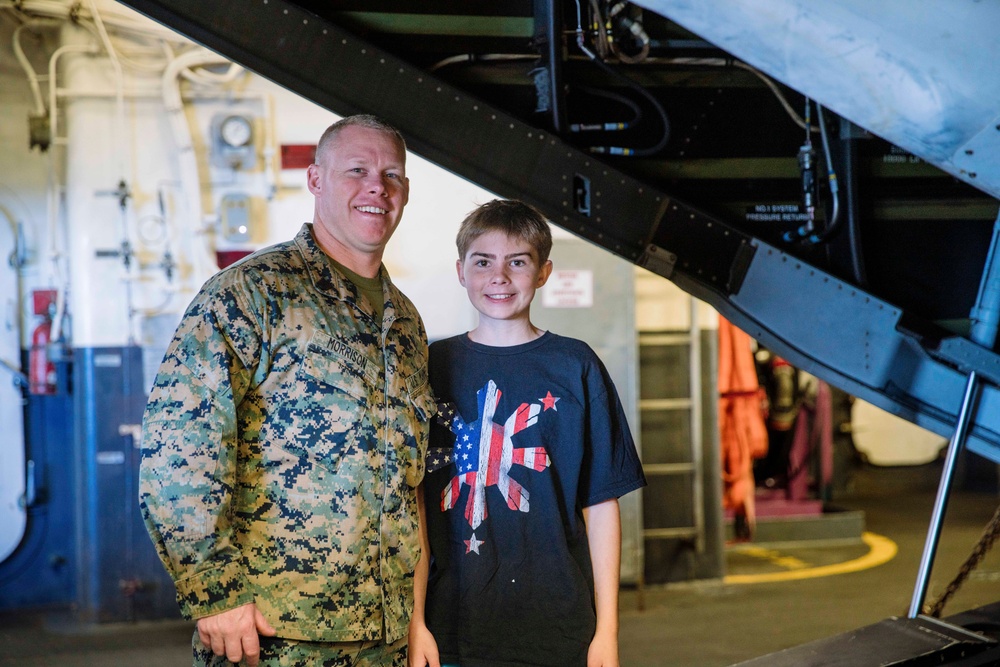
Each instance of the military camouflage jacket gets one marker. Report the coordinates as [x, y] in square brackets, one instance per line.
[282, 445]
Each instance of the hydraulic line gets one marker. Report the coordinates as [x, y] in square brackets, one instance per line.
[807, 232]
[634, 28]
[608, 127]
[636, 152]
[619, 150]
[831, 177]
[807, 172]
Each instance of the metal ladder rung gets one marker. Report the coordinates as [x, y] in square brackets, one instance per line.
[667, 468]
[670, 533]
[665, 404]
[664, 338]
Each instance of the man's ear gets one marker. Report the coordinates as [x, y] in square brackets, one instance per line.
[544, 273]
[460, 268]
[313, 179]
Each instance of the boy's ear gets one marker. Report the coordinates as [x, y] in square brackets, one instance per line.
[544, 273]
[461, 272]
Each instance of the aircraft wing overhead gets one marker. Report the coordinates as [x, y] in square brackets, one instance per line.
[914, 73]
[701, 179]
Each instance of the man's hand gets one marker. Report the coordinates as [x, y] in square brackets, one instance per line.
[234, 633]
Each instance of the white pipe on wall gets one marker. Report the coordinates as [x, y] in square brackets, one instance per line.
[113, 14]
[29, 71]
[202, 259]
[119, 89]
[55, 190]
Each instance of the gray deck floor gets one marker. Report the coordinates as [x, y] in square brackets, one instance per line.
[704, 624]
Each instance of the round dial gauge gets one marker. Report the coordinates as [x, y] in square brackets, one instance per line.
[236, 131]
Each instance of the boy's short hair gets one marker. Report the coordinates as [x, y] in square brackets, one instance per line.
[359, 120]
[512, 217]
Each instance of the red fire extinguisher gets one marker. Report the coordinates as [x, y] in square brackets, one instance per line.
[41, 370]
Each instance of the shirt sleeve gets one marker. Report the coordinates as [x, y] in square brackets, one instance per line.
[189, 451]
[611, 466]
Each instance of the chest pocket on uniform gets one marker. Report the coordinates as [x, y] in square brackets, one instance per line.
[328, 415]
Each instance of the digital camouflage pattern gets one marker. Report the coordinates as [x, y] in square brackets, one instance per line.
[277, 652]
[282, 445]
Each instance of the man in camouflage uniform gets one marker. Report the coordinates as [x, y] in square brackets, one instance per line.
[284, 438]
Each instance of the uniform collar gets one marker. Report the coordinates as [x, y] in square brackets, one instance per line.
[329, 280]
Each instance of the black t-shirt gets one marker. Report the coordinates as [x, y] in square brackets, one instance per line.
[526, 437]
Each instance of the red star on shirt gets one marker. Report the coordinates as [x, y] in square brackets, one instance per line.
[549, 401]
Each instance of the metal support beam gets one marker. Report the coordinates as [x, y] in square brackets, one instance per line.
[944, 490]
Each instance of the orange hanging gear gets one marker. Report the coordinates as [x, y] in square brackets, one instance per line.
[742, 432]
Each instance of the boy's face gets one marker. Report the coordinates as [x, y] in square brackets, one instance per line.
[501, 275]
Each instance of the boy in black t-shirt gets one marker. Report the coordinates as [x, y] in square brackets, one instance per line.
[527, 460]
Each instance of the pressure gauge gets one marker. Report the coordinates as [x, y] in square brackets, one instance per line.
[236, 131]
[233, 140]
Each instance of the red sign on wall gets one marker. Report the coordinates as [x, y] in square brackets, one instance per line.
[297, 156]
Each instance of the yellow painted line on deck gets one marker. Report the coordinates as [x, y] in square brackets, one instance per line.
[880, 550]
[773, 555]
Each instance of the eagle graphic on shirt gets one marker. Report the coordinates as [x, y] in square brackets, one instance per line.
[484, 453]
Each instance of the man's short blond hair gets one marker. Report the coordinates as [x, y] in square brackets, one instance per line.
[360, 120]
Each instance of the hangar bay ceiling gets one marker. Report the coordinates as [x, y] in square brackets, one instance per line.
[860, 260]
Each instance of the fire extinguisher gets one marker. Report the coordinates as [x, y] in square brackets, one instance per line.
[42, 370]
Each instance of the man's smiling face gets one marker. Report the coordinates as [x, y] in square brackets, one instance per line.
[361, 188]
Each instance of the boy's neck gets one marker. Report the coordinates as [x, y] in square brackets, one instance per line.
[504, 333]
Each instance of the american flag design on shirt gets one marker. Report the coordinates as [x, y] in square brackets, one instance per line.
[484, 453]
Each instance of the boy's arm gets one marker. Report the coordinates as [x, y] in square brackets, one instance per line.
[423, 650]
[604, 535]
